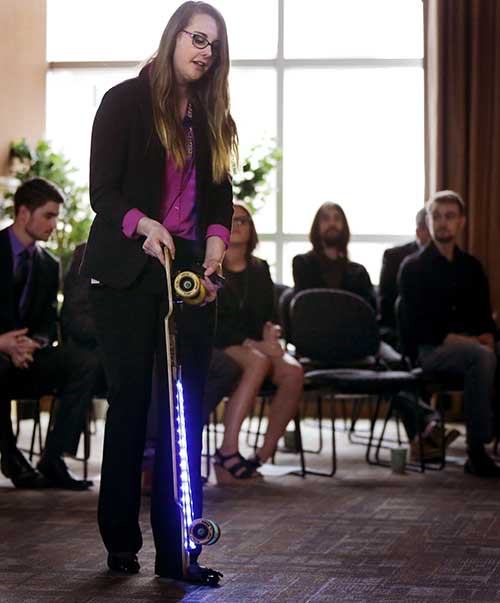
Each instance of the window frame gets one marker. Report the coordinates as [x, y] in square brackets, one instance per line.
[281, 64]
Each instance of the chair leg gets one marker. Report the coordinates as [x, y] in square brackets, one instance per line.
[388, 415]
[86, 443]
[298, 443]
[263, 402]
[36, 426]
[40, 440]
[354, 417]
[249, 426]
[333, 469]
[18, 420]
[344, 412]
[398, 430]
[319, 401]
[372, 431]
[334, 442]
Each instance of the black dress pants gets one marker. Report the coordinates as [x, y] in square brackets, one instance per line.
[130, 330]
[63, 369]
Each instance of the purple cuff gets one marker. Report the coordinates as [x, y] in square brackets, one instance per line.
[129, 223]
[217, 230]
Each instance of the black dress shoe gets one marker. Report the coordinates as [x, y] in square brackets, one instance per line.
[196, 574]
[125, 563]
[203, 575]
[59, 476]
[481, 464]
[16, 467]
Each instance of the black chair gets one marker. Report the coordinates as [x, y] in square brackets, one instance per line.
[362, 362]
[30, 408]
[337, 330]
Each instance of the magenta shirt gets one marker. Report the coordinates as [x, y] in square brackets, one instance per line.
[178, 207]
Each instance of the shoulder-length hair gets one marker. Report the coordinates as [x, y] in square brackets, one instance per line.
[210, 93]
[345, 235]
[253, 239]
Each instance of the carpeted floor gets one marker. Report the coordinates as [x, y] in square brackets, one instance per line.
[363, 536]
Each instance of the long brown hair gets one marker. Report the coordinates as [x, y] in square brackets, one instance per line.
[211, 93]
[314, 234]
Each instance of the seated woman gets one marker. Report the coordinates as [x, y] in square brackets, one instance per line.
[247, 334]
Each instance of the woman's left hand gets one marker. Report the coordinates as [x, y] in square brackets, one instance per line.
[211, 267]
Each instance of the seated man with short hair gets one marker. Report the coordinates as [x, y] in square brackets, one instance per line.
[446, 304]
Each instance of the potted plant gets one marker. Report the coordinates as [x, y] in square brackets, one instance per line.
[251, 183]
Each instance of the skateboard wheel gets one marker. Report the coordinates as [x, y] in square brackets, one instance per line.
[189, 287]
[204, 531]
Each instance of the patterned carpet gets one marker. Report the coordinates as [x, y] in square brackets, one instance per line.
[363, 536]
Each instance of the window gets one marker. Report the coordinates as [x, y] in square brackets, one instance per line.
[338, 84]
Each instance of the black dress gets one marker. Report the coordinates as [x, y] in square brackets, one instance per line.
[245, 304]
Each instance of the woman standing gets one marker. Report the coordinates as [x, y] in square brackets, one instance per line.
[248, 334]
[162, 145]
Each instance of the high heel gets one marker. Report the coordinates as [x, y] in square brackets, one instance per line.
[240, 472]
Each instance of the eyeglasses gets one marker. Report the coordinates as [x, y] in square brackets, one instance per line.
[201, 42]
[241, 221]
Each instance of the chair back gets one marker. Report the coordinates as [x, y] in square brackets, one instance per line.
[330, 325]
[408, 347]
[284, 311]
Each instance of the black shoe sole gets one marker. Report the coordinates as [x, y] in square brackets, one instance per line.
[489, 473]
[123, 566]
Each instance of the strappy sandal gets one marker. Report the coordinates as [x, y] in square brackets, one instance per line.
[240, 472]
[255, 461]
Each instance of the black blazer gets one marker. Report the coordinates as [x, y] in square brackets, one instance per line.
[41, 312]
[388, 287]
[307, 275]
[127, 167]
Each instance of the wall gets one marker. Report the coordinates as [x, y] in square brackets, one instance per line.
[23, 70]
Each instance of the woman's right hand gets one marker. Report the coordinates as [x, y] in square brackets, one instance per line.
[157, 237]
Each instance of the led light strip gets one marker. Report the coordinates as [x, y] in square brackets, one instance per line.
[184, 484]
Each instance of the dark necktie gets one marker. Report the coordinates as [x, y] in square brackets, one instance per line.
[20, 278]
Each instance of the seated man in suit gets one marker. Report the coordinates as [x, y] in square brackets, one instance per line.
[391, 262]
[29, 365]
[448, 318]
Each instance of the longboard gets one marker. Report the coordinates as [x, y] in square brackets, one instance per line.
[187, 288]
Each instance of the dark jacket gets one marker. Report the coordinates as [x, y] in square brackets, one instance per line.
[77, 323]
[127, 167]
[41, 312]
[245, 304]
[388, 287]
[307, 274]
[441, 297]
